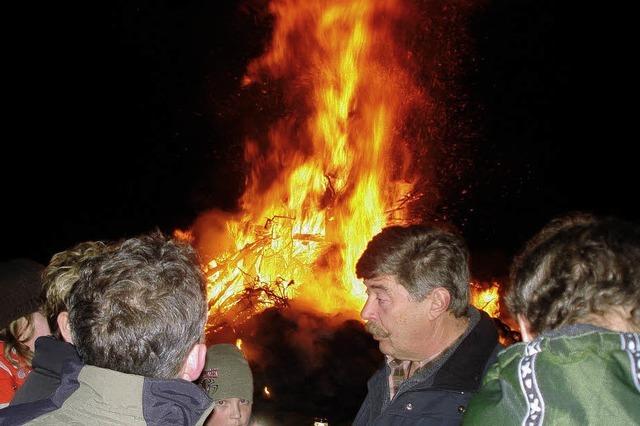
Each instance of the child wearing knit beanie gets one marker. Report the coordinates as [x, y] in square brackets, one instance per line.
[227, 379]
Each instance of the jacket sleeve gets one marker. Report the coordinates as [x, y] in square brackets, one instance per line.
[497, 402]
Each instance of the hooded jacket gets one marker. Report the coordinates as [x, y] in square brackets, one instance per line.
[575, 375]
[11, 377]
[90, 395]
[44, 379]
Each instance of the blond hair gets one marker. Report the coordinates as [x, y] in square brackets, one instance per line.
[14, 337]
[62, 273]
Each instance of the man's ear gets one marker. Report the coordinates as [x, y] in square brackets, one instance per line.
[194, 362]
[525, 328]
[440, 300]
[63, 325]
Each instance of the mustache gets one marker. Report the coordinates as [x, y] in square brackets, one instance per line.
[376, 330]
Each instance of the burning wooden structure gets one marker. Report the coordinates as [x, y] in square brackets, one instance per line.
[344, 159]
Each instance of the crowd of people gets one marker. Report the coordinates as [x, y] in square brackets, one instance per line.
[113, 333]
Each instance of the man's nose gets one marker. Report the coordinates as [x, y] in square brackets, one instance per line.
[368, 312]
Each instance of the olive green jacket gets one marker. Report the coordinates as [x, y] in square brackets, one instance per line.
[576, 375]
[90, 395]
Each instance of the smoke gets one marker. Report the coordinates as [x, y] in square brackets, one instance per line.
[314, 365]
[211, 233]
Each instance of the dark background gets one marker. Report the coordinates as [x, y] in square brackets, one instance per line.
[125, 116]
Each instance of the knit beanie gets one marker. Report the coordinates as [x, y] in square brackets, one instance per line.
[20, 289]
[227, 373]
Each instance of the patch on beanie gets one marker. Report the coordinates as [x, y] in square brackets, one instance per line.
[208, 380]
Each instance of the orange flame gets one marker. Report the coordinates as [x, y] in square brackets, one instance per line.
[239, 344]
[485, 297]
[266, 392]
[331, 173]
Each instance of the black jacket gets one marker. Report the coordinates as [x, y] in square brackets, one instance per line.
[44, 379]
[441, 398]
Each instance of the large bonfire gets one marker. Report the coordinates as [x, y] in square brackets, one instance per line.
[331, 172]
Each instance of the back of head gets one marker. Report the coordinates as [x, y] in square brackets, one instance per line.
[61, 274]
[227, 373]
[139, 307]
[578, 269]
[20, 289]
[421, 258]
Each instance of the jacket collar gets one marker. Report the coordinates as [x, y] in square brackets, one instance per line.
[466, 366]
[162, 401]
[51, 353]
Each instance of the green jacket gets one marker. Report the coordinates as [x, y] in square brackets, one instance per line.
[90, 395]
[576, 375]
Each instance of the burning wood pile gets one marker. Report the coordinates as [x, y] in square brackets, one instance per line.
[347, 156]
[331, 172]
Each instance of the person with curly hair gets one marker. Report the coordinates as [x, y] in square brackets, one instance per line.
[51, 352]
[575, 291]
[136, 317]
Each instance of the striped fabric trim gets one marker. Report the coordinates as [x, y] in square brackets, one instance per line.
[6, 368]
[529, 385]
[631, 344]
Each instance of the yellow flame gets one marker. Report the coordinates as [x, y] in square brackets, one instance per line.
[334, 169]
[486, 298]
[266, 392]
[239, 344]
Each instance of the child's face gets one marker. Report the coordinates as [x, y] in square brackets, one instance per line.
[230, 412]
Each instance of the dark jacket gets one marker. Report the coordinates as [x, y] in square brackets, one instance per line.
[440, 398]
[44, 379]
[89, 395]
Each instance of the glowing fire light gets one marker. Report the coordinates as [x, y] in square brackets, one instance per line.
[239, 344]
[266, 392]
[331, 173]
[486, 298]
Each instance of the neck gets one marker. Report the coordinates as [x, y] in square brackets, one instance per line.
[615, 320]
[447, 329]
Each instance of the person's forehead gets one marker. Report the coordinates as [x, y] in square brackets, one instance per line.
[387, 283]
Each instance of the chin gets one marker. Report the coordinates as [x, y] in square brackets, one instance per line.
[385, 348]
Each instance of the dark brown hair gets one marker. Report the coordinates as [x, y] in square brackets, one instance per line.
[421, 258]
[575, 267]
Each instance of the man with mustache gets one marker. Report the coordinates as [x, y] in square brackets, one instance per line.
[437, 346]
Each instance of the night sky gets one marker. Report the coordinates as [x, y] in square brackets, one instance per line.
[126, 116]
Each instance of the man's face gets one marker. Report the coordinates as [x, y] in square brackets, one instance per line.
[230, 412]
[398, 323]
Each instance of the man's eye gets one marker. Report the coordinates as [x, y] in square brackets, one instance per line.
[382, 300]
[221, 402]
[244, 401]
